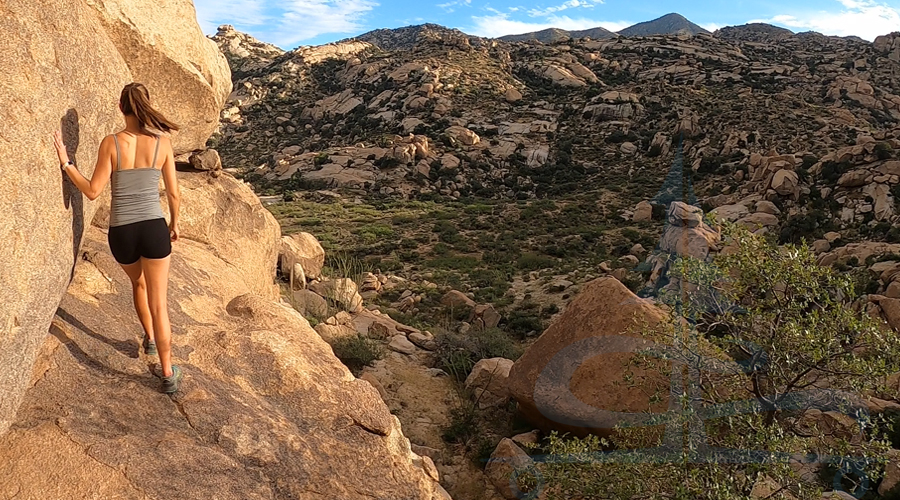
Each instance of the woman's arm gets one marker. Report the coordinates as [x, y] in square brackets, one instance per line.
[173, 194]
[102, 170]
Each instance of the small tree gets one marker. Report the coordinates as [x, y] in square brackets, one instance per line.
[789, 322]
[797, 344]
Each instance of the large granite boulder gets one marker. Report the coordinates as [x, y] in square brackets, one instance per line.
[573, 378]
[266, 411]
[188, 77]
[63, 64]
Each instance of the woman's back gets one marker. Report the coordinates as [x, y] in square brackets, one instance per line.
[135, 180]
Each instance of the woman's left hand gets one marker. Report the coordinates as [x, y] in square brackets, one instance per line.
[60, 147]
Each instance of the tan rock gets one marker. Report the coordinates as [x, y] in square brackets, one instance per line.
[401, 344]
[342, 291]
[462, 135]
[891, 310]
[305, 249]
[424, 340]
[487, 315]
[457, 299]
[570, 396]
[854, 178]
[378, 326]
[373, 380]
[684, 215]
[767, 207]
[187, 75]
[562, 76]
[206, 160]
[643, 212]
[502, 466]
[785, 182]
[891, 474]
[754, 221]
[333, 333]
[821, 246]
[310, 304]
[488, 381]
[512, 95]
[730, 213]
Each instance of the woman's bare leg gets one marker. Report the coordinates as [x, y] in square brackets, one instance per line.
[139, 296]
[156, 272]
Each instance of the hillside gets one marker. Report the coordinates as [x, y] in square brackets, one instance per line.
[479, 164]
[510, 179]
[552, 35]
[669, 24]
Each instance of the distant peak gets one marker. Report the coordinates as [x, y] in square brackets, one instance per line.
[669, 24]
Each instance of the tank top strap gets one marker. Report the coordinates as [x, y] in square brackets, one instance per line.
[118, 152]
[155, 153]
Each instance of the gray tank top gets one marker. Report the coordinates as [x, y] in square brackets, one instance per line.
[135, 192]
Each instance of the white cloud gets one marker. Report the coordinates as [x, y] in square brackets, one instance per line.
[711, 27]
[500, 24]
[863, 18]
[570, 4]
[450, 6]
[286, 22]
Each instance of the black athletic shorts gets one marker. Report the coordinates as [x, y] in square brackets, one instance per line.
[148, 239]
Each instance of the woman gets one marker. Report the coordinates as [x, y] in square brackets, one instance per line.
[138, 237]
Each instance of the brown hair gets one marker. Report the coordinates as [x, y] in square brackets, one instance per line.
[135, 100]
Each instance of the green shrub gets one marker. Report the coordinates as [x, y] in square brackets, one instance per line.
[357, 351]
[457, 354]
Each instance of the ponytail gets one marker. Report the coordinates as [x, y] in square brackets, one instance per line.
[135, 100]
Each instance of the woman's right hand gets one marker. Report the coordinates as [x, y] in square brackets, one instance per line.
[173, 232]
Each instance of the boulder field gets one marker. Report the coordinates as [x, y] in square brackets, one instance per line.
[63, 64]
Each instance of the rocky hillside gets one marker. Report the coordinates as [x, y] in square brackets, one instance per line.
[451, 120]
[487, 183]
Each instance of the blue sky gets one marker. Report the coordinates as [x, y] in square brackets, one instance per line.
[290, 23]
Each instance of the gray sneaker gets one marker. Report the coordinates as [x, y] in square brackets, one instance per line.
[170, 384]
[149, 347]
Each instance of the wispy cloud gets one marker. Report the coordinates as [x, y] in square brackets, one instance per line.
[500, 24]
[863, 18]
[451, 6]
[288, 22]
[711, 27]
[570, 4]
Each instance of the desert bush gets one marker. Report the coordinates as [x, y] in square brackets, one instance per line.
[357, 351]
[457, 354]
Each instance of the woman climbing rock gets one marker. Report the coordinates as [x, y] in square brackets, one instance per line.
[141, 242]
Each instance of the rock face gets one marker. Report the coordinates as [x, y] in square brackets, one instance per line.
[565, 382]
[49, 79]
[265, 411]
[187, 75]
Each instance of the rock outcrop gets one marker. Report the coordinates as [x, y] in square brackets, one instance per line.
[51, 80]
[187, 75]
[265, 411]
